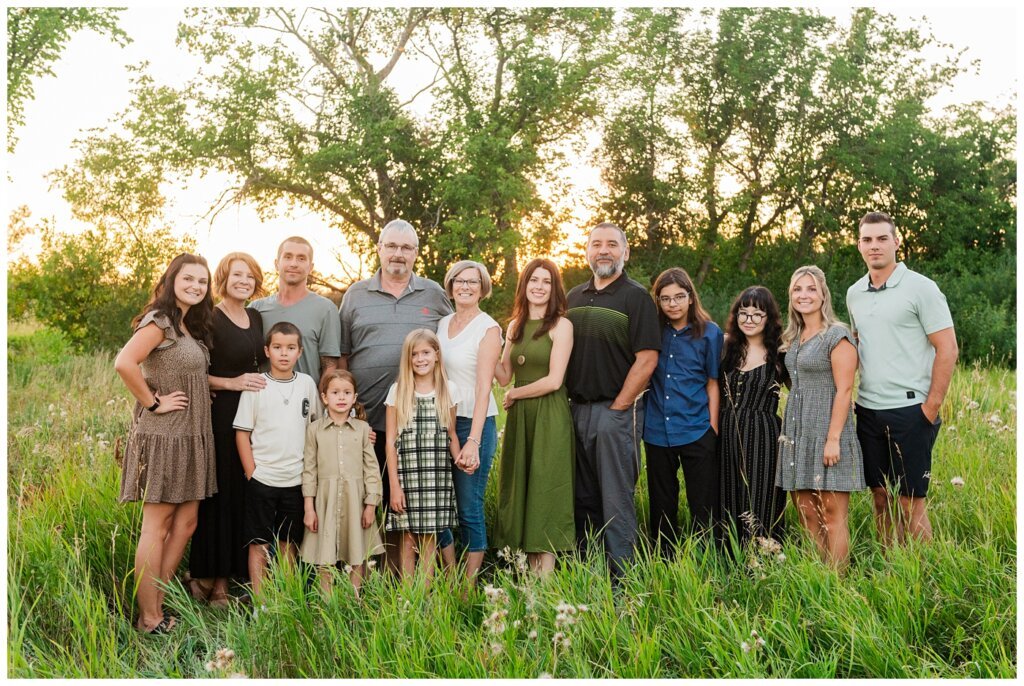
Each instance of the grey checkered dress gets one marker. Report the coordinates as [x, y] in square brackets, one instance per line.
[805, 424]
[425, 472]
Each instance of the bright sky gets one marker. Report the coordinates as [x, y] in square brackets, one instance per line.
[91, 87]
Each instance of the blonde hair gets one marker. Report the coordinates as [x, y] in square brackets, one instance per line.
[461, 266]
[405, 393]
[220, 275]
[795, 322]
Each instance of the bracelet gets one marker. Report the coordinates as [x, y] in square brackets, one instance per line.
[475, 440]
[156, 404]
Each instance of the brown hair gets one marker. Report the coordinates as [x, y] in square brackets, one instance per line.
[220, 275]
[330, 375]
[557, 303]
[879, 218]
[198, 319]
[696, 316]
[296, 239]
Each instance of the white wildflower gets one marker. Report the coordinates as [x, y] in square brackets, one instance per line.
[951, 427]
[111, 401]
[544, 675]
[348, 569]
[994, 419]
[957, 481]
[210, 666]
[371, 564]
[51, 408]
[583, 608]
[973, 405]
[745, 647]
[495, 595]
[496, 648]
[516, 623]
[768, 546]
[532, 634]
[781, 557]
[237, 675]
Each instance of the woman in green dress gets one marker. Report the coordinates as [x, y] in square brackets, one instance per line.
[535, 496]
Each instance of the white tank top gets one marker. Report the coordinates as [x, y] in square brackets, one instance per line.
[459, 355]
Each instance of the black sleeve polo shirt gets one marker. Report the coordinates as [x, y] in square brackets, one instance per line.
[609, 327]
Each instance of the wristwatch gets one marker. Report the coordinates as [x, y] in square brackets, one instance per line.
[156, 404]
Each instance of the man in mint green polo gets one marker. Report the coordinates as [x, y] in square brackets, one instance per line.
[908, 350]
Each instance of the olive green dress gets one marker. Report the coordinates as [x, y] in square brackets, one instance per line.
[535, 473]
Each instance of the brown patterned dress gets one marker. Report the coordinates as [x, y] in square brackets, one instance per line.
[169, 457]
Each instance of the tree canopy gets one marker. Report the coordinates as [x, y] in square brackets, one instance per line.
[736, 142]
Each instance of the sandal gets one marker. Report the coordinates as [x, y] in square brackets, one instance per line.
[195, 588]
[164, 627]
[219, 600]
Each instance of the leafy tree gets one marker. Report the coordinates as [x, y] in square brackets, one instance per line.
[90, 285]
[36, 36]
[298, 106]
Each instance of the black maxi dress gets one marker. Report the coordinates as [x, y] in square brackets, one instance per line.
[218, 548]
[748, 448]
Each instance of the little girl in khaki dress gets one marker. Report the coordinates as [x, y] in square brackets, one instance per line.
[341, 485]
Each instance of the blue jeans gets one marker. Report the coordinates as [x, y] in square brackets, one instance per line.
[469, 489]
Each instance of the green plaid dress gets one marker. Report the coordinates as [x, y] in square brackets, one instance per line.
[425, 472]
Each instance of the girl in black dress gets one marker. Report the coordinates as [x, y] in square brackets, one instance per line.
[218, 550]
[752, 371]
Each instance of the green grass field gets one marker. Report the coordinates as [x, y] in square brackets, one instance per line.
[943, 610]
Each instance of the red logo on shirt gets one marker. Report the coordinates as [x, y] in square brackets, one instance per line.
[426, 310]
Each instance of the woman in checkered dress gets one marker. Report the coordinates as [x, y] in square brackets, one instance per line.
[421, 445]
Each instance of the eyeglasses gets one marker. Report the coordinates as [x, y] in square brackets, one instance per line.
[753, 318]
[467, 282]
[673, 299]
[395, 247]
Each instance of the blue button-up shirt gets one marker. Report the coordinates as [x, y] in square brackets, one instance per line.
[676, 410]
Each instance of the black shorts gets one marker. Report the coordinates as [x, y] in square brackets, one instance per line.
[897, 446]
[273, 512]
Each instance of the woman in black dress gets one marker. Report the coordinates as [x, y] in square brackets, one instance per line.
[752, 370]
[218, 549]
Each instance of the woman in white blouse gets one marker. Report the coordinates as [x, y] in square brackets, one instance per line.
[470, 348]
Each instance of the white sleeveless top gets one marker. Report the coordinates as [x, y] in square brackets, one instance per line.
[459, 356]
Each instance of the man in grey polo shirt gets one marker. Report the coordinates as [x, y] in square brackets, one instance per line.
[311, 312]
[908, 350]
[376, 315]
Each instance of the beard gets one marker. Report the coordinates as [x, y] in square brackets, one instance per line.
[607, 271]
[397, 268]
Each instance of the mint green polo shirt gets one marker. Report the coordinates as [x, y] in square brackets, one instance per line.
[892, 325]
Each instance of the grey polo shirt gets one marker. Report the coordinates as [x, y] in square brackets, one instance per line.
[317, 320]
[374, 325]
[892, 324]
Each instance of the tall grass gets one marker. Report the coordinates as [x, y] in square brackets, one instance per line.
[941, 610]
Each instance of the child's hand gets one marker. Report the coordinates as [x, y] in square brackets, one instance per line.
[373, 437]
[398, 500]
[309, 519]
[172, 402]
[368, 516]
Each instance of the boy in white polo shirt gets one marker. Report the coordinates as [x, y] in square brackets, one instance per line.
[907, 352]
[270, 432]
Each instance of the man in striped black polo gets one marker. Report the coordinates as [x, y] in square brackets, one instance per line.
[616, 340]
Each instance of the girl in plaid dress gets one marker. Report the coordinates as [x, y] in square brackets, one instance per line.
[421, 445]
